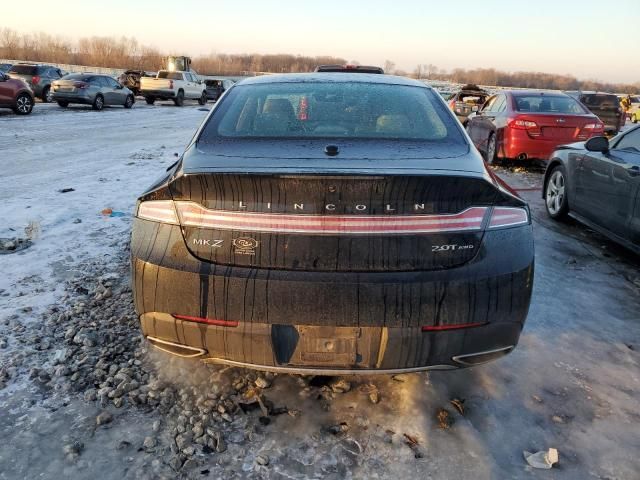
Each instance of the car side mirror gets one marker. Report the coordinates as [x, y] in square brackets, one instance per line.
[597, 144]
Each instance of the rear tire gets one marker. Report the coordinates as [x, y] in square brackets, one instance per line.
[203, 99]
[98, 103]
[47, 96]
[492, 150]
[24, 104]
[128, 103]
[555, 194]
[179, 100]
[150, 100]
[63, 103]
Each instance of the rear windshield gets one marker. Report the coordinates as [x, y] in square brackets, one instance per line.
[334, 110]
[170, 75]
[548, 104]
[24, 69]
[599, 100]
[213, 83]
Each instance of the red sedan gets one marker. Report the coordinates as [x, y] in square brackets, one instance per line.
[527, 125]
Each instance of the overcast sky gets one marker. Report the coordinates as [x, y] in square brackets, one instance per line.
[590, 39]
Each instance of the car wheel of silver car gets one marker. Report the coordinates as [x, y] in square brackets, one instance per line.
[24, 104]
[98, 103]
[47, 95]
[556, 194]
[491, 150]
[128, 103]
[203, 99]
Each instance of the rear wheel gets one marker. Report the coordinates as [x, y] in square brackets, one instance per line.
[492, 155]
[63, 103]
[98, 103]
[203, 99]
[150, 100]
[179, 100]
[128, 103]
[555, 194]
[24, 104]
[47, 95]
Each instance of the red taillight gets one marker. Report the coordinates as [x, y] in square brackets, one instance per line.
[502, 217]
[170, 83]
[531, 127]
[591, 129]
[35, 80]
[442, 328]
[81, 85]
[161, 211]
[208, 321]
[452, 104]
[303, 107]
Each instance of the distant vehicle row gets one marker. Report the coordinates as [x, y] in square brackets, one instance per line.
[22, 83]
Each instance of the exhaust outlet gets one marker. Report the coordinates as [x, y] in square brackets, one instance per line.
[522, 156]
[178, 349]
[477, 358]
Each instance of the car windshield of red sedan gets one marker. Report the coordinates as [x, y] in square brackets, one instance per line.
[549, 104]
[355, 110]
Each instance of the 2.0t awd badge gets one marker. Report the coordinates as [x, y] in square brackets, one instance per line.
[245, 245]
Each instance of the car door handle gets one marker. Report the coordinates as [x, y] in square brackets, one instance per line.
[634, 170]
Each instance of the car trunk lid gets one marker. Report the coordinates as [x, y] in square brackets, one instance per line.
[558, 127]
[69, 85]
[328, 222]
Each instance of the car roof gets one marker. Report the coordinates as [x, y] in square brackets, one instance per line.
[333, 77]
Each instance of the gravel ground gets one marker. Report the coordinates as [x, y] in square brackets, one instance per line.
[83, 396]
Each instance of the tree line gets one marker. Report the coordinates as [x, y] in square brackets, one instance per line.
[127, 53]
[550, 81]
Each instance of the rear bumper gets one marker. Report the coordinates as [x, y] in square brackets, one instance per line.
[285, 318]
[518, 142]
[73, 98]
[158, 93]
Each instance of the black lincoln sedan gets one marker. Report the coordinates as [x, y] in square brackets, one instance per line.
[598, 183]
[332, 223]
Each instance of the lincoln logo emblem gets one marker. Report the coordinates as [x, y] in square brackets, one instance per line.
[245, 245]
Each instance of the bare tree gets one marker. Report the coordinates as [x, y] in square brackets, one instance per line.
[389, 67]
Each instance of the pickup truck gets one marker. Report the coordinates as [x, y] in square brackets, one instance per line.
[172, 85]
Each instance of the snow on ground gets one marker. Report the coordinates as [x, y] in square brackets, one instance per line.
[573, 383]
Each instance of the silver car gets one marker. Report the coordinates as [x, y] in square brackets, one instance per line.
[91, 89]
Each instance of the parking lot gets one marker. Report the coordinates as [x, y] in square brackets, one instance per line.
[70, 179]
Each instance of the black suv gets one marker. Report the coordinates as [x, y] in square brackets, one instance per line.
[606, 106]
[38, 77]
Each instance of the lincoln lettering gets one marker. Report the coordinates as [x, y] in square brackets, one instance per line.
[332, 207]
